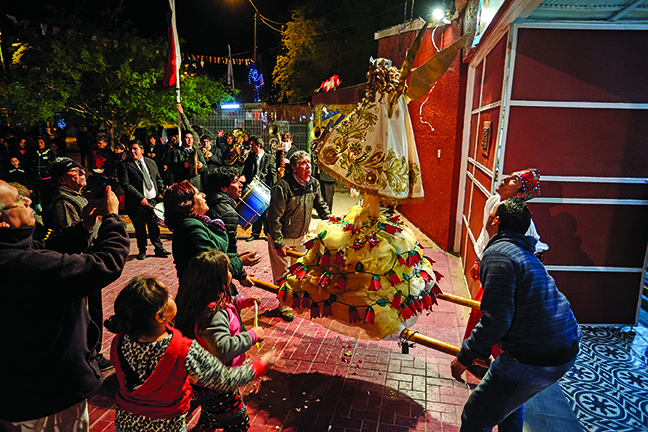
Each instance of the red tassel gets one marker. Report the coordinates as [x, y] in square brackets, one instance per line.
[354, 317]
[282, 294]
[339, 259]
[401, 260]
[315, 311]
[374, 285]
[393, 277]
[342, 281]
[294, 302]
[325, 260]
[301, 272]
[392, 229]
[327, 310]
[410, 259]
[417, 306]
[426, 276]
[324, 280]
[436, 290]
[426, 301]
[438, 276]
[369, 318]
[281, 281]
[310, 243]
[405, 312]
[305, 301]
[293, 268]
[396, 301]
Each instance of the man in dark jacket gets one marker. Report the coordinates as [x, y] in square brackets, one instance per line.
[524, 311]
[43, 315]
[289, 215]
[259, 164]
[142, 184]
[224, 191]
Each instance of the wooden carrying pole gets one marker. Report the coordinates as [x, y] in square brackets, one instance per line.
[462, 301]
[406, 334]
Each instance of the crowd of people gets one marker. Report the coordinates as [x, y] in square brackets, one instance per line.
[56, 315]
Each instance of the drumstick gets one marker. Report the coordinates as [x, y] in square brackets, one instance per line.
[256, 318]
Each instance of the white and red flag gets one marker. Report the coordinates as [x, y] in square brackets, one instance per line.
[172, 68]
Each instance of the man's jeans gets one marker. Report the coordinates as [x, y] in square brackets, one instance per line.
[499, 397]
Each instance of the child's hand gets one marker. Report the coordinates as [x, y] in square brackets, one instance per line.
[269, 358]
[258, 331]
[249, 302]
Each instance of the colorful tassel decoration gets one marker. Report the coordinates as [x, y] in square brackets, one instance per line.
[325, 259]
[396, 301]
[301, 272]
[282, 294]
[341, 284]
[405, 312]
[310, 243]
[339, 258]
[315, 311]
[401, 260]
[295, 301]
[324, 280]
[426, 301]
[392, 229]
[438, 276]
[417, 305]
[393, 277]
[374, 285]
[369, 318]
[354, 317]
[305, 301]
[436, 290]
[425, 275]
[327, 310]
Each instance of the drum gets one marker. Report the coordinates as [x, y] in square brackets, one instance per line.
[158, 214]
[254, 201]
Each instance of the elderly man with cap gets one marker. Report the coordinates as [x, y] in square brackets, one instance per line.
[66, 203]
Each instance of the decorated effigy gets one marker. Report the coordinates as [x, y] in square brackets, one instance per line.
[366, 271]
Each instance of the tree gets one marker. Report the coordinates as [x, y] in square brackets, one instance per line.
[318, 43]
[110, 77]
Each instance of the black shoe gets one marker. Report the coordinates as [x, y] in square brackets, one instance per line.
[104, 363]
[286, 315]
[162, 253]
[252, 238]
[141, 256]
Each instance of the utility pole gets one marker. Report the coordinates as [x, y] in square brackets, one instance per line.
[256, 23]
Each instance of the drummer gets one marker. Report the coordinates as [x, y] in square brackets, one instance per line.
[143, 187]
[262, 165]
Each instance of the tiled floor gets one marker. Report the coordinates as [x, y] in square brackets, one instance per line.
[329, 382]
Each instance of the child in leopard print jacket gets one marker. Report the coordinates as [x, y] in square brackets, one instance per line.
[155, 363]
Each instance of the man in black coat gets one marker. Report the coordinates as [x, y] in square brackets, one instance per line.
[142, 184]
[48, 369]
[260, 164]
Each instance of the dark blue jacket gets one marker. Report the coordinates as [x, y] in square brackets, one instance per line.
[521, 306]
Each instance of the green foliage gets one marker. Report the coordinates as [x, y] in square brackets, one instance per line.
[319, 42]
[113, 77]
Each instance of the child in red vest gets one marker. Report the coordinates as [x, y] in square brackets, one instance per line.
[207, 312]
[155, 364]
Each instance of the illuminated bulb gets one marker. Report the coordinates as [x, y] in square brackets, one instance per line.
[438, 14]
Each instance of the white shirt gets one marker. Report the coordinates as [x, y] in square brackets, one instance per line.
[484, 237]
[148, 193]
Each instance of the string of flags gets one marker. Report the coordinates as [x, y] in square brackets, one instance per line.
[202, 59]
[25, 22]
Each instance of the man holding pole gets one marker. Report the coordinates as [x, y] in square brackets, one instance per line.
[525, 313]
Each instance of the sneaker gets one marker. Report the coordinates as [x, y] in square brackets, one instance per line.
[141, 256]
[104, 363]
[287, 315]
[162, 253]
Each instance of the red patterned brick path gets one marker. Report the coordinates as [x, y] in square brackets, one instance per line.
[318, 386]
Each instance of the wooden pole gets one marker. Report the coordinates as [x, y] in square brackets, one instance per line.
[430, 342]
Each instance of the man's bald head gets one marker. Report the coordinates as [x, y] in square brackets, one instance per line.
[14, 208]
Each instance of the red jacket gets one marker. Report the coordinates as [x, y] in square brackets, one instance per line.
[167, 392]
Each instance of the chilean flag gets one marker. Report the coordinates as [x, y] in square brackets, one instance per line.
[173, 49]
